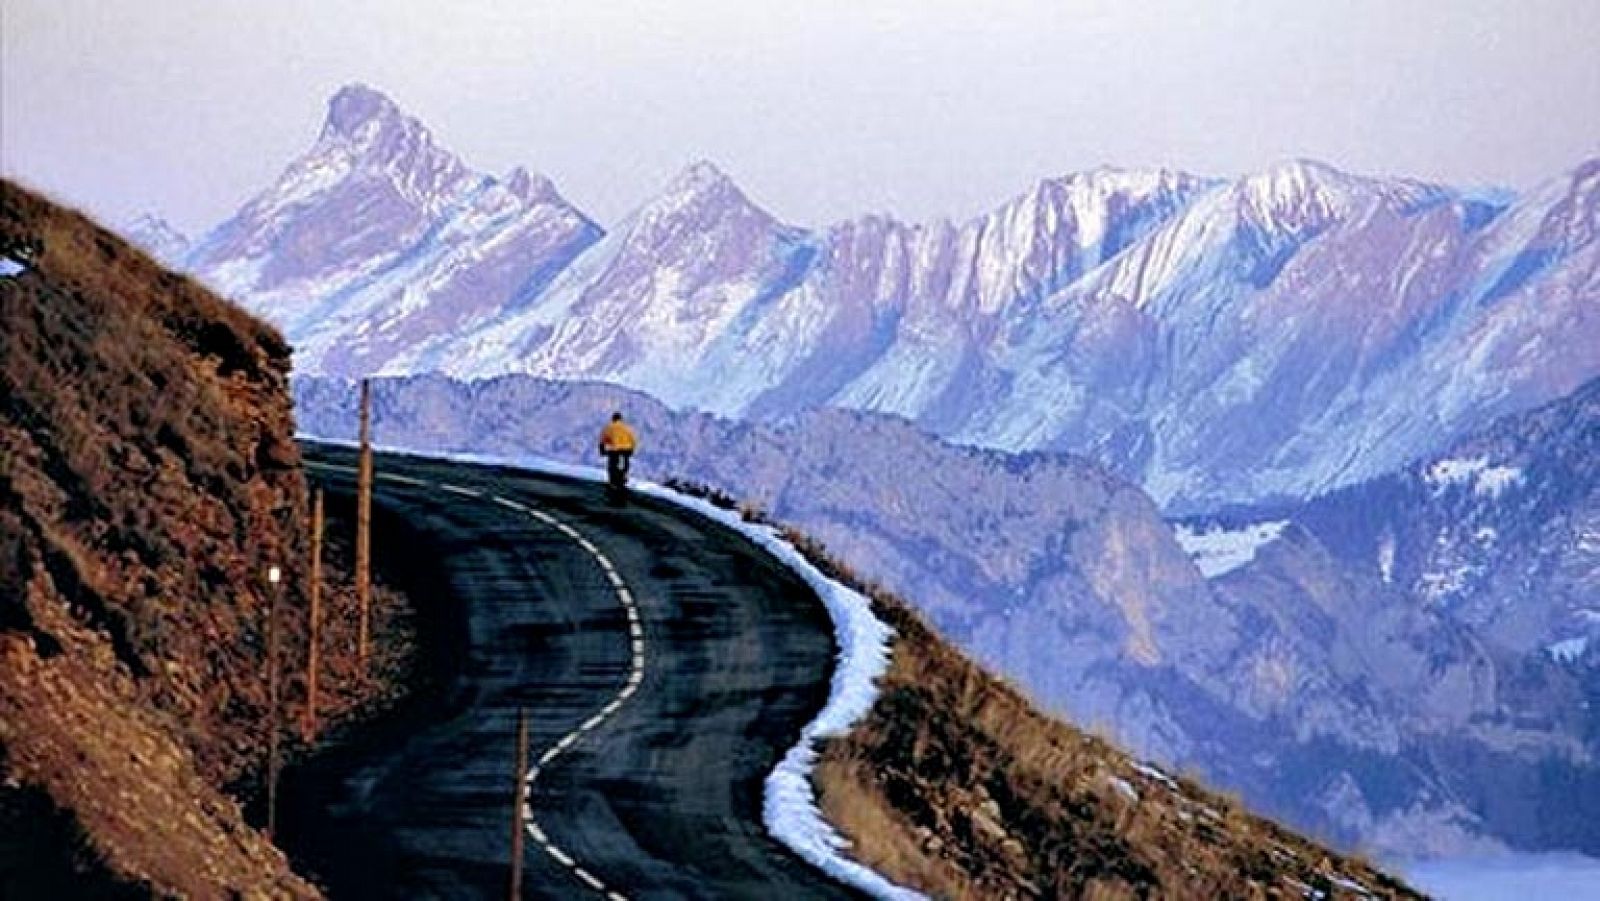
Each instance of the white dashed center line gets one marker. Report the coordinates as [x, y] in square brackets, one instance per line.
[636, 643]
[635, 679]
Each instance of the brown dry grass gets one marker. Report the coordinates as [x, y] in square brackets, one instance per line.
[955, 784]
[148, 478]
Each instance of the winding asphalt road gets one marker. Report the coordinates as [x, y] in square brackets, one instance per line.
[535, 593]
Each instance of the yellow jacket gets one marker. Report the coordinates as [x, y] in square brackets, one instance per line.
[616, 436]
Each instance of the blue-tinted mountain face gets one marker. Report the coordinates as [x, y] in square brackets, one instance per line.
[1465, 589]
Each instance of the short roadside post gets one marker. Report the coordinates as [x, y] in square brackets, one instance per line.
[364, 525]
[308, 726]
[274, 576]
[519, 804]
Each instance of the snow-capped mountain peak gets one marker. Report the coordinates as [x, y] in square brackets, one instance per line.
[700, 188]
[158, 238]
[701, 175]
[700, 205]
[531, 187]
[1111, 180]
[366, 132]
[378, 241]
[1300, 194]
[356, 109]
[1575, 211]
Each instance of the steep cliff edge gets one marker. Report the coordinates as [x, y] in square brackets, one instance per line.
[148, 479]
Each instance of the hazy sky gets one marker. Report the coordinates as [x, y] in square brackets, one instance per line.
[819, 109]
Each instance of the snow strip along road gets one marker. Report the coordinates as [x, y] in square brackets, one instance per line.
[646, 782]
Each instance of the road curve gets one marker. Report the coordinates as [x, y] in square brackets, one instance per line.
[525, 585]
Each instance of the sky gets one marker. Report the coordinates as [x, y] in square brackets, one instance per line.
[820, 110]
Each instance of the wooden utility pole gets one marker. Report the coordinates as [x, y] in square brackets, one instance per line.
[273, 761]
[519, 802]
[308, 727]
[364, 523]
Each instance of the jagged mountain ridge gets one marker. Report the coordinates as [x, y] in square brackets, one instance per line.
[1216, 340]
[378, 239]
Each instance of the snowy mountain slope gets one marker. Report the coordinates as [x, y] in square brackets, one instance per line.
[377, 241]
[1501, 529]
[1354, 327]
[1218, 341]
[654, 297]
[705, 300]
[1475, 576]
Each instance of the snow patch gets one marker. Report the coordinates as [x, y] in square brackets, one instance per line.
[10, 267]
[1153, 772]
[1125, 788]
[1568, 651]
[1438, 585]
[789, 806]
[1485, 480]
[1221, 550]
[1350, 885]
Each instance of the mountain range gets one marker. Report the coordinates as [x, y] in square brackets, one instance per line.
[1218, 341]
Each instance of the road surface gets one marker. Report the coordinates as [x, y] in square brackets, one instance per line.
[653, 791]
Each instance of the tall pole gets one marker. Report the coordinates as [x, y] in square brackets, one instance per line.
[519, 803]
[273, 763]
[364, 522]
[308, 728]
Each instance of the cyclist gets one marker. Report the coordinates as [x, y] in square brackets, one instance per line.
[617, 443]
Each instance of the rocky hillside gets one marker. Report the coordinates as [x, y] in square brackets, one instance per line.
[1069, 581]
[148, 479]
[1281, 334]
